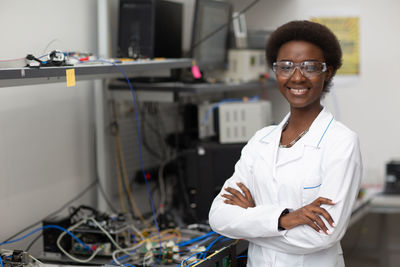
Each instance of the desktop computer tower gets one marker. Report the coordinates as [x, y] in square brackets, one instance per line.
[150, 28]
[205, 170]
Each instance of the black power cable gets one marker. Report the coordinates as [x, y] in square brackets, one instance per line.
[33, 242]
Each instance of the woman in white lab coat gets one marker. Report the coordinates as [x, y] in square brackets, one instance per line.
[294, 186]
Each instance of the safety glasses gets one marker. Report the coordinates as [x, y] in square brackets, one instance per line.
[308, 69]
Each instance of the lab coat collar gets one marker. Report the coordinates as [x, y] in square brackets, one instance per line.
[274, 133]
[314, 136]
[318, 129]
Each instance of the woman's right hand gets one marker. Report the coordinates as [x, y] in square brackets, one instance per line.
[309, 215]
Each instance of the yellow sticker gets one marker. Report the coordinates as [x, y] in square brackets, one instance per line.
[70, 73]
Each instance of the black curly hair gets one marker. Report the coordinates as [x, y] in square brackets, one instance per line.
[315, 33]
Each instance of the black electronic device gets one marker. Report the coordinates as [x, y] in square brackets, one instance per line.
[54, 59]
[150, 28]
[16, 258]
[392, 184]
[86, 228]
[210, 34]
[205, 171]
[50, 235]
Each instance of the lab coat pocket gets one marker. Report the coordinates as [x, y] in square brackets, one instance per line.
[311, 188]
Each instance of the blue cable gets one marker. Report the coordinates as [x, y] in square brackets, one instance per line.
[1, 262]
[189, 258]
[120, 258]
[140, 150]
[200, 242]
[242, 256]
[46, 227]
[204, 253]
[210, 245]
[188, 242]
[216, 105]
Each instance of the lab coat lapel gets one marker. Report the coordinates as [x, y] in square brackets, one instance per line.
[311, 139]
[271, 141]
[318, 129]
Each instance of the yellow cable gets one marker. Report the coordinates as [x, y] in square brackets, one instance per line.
[125, 176]
[164, 233]
[172, 230]
[120, 190]
[119, 178]
[216, 252]
[125, 172]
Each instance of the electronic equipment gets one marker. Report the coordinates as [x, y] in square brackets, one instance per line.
[205, 171]
[210, 34]
[245, 65]
[53, 59]
[227, 255]
[240, 30]
[233, 122]
[118, 227]
[16, 258]
[257, 39]
[392, 184]
[150, 28]
[50, 236]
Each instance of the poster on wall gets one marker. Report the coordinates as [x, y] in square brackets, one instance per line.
[347, 31]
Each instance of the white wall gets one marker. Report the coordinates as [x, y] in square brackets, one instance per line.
[46, 131]
[370, 103]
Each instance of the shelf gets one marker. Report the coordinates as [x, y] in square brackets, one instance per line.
[195, 88]
[87, 71]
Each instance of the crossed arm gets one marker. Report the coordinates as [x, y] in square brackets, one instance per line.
[308, 215]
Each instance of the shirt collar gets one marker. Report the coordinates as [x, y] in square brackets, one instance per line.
[315, 134]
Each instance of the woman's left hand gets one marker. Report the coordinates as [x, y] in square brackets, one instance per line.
[244, 200]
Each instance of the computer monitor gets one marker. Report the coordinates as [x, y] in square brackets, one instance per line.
[209, 48]
[150, 28]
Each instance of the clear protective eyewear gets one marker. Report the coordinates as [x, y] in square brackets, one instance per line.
[308, 69]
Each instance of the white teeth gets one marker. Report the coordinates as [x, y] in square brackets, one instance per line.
[298, 91]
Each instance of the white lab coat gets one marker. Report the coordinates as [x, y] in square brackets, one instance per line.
[325, 162]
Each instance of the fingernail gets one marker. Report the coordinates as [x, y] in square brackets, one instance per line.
[334, 224]
[328, 232]
[321, 232]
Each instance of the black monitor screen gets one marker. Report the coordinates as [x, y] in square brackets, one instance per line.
[210, 52]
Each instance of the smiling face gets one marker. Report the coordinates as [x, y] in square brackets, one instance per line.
[302, 92]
